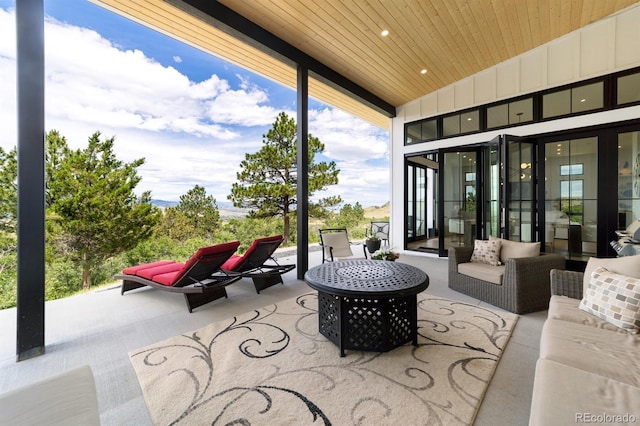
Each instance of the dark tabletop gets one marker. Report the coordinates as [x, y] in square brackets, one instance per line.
[368, 278]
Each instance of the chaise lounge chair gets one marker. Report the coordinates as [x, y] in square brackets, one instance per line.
[252, 263]
[200, 278]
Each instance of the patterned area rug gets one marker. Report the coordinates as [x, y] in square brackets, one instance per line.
[272, 367]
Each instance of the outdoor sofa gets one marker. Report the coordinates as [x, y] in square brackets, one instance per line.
[589, 365]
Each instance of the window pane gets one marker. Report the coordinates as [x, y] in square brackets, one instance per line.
[414, 133]
[628, 178]
[586, 98]
[497, 116]
[421, 131]
[451, 125]
[629, 89]
[558, 103]
[571, 196]
[470, 121]
[521, 111]
[510, 113]
[429, 130]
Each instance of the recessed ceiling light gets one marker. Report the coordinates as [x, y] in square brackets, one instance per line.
[384, 33]
[423, 71]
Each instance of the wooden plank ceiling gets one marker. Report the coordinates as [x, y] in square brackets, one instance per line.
[451, 39]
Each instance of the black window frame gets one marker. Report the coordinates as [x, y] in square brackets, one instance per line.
[609, 101]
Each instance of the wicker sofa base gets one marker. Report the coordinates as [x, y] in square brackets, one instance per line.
[525, 285]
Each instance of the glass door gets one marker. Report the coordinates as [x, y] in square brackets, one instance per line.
[571, 197]
[459, 198]
[490, 172]
[422, 190]
[628, 179]
[519, 189]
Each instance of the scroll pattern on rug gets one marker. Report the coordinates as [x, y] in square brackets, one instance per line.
[271, 366]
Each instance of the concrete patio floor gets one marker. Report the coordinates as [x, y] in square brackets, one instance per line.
[100, 328]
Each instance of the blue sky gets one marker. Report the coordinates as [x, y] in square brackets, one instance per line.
[192, 116]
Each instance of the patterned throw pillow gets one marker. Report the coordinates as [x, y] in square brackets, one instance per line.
[486, 251]
[614, 298]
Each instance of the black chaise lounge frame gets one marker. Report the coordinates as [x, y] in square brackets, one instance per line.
[200, 279]
[252, 263]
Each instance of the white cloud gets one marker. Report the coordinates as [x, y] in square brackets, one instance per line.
[346, 137]
[350, 142]
[177, 59]
[189, 132]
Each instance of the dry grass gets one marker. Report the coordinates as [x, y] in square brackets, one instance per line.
[378, 212]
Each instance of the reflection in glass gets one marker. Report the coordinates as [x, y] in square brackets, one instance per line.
[629, 89]
[491, 210]
[421, 131]
[571, 192]
[459, 198]
[588, 97]
[497, 116]
[521, 111]
[628, 178]
[521, 191]
[451, 125]
[578, 99]
[470, 121]
[555, 104]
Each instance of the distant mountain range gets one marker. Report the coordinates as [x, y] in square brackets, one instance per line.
[226, 208]
[164, 204]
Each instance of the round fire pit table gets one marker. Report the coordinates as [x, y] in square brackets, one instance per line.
[368, 305]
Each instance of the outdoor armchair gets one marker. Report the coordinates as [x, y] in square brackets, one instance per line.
[379, 230]
[336, 245]
[200, 278]
[519, 285]
[252, 263]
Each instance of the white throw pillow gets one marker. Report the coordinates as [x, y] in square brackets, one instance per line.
[614, 298]
[486, 251]
[516, 249]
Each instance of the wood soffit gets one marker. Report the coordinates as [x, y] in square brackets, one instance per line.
[451, 39]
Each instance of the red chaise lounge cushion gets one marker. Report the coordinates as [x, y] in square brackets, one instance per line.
[168, 272]
[235, 260]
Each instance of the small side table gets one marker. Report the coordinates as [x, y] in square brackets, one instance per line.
[368, 305]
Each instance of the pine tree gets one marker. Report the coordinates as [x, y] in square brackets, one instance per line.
[267, 182]
[93, 212]
[201, 210]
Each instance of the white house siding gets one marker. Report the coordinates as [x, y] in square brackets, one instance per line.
[604, 47]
